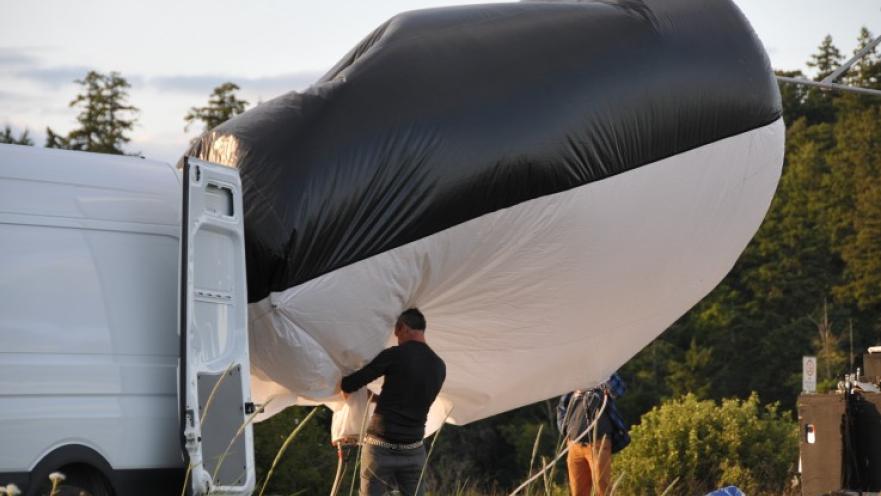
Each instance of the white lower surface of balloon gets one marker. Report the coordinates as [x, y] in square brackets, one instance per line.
[534, 300]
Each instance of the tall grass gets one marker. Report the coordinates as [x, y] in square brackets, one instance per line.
[546, 467]
[361, 432]
[616, 483]
[532, 457]
[248, 421]
[428, 456]
[56, 478]
[203, 414]
[10, 490]
[670, 487]
[284, 447]
[340, 469]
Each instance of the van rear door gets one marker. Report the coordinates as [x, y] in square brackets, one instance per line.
[214, 371]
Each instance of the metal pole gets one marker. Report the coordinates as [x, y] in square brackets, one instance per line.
[829, 86]
[850, 325]
[844, 67]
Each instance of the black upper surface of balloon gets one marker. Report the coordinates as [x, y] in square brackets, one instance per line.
[443, 115]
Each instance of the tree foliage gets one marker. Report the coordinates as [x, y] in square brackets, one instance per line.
[856, 163]
[827, 58]
[105, 119]
[223, 104]
[867, 71]
[8, 137]
[700, 445]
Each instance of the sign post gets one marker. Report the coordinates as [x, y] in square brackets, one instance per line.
[809, 374]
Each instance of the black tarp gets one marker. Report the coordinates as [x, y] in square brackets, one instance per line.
[440, 116]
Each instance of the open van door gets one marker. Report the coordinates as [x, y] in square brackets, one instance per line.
[215, 389]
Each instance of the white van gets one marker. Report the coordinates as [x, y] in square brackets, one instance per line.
[97, 381]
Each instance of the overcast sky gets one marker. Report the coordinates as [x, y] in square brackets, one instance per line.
[175, 52]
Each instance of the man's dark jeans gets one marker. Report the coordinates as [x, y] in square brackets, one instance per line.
[384, 469]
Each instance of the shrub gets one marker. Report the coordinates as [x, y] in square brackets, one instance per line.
[704, 446]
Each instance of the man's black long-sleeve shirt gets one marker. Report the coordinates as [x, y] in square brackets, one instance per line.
[414, 375]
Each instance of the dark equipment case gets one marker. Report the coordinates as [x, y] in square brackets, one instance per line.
[840, 442]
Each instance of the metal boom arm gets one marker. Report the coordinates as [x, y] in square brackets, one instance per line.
[829, 81]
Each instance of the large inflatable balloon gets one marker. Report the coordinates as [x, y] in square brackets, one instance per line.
[552, 183]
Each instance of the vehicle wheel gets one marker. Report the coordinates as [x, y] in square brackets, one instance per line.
[79, 480]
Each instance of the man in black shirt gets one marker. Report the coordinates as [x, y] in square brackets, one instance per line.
[392, 453]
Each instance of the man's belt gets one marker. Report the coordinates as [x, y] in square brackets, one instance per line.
[375, 441]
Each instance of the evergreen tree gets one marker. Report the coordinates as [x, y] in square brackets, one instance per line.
[866, 72]
[646, 377]
[690, 373]
[856, 163]
[223, 104]
[54, 140]
[827, 58]
[7, 137]
[819, 104]
[793, 97]
[831, 359]
[105, 116]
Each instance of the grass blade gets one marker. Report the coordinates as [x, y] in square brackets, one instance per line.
[239, 432]
[360, 437]
[427, 456]
[532, 457]
[203, 412]
[284, 447]
[560, 455]
[615, 484]
[670, 487]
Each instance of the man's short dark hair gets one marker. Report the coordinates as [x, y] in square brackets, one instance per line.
[413, 319]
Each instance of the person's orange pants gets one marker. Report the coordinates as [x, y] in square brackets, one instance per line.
[590, 465]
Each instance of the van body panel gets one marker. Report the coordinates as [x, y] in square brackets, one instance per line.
[89, 345]
[131, 432]
[84, 290]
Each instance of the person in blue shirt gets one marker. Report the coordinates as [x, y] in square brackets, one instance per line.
[589, 460]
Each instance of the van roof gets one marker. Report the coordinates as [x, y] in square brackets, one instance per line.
[64, 183]
[83, 168]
